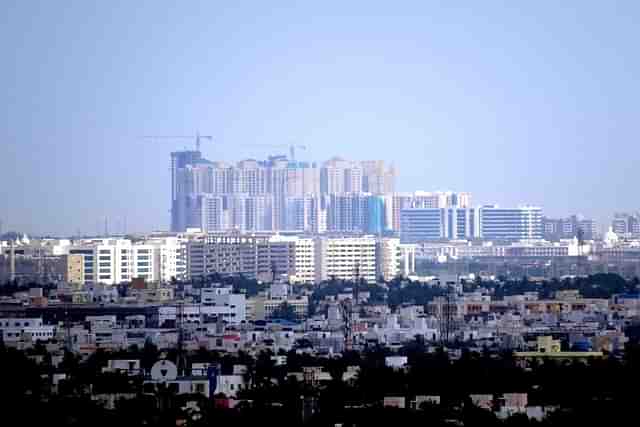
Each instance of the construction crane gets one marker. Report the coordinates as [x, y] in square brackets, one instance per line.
[292, 148]
[198, 138]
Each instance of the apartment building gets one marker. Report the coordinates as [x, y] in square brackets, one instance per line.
[114, 261]
[347, 258]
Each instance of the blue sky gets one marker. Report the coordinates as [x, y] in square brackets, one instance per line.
[516, 102]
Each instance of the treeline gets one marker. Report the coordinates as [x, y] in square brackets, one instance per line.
[579, 390]
[601, 285]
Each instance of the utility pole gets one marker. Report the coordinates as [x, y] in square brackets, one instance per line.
[67, 329]
[12, 261]
[181, 361]
[446, 315]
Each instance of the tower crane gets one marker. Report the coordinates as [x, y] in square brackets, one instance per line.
[198, 138]
[292, 148]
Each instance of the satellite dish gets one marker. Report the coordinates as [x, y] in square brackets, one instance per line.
[164, 370]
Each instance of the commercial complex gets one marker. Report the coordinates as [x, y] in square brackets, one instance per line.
[486, 222]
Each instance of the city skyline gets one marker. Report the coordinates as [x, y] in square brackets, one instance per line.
[513, 104]
[118, 225]
[321, 213]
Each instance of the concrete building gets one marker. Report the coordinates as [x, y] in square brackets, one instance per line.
[346, 259]
[377, 178]
[626, 224]
[74, 272]
[356, 213]
[223, 304]
[114, 261]
[421, 224]
[554, 229]
[393, 258]
[522, 223]
[224, 254]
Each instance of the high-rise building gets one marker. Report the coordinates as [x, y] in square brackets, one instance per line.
[341, 176]
[180, 160]
[420, 224]
[347, 212]
[522, 223]
[260, 213]
[377, 179]
[302, 179]
[210, 213]
[399, 201]
[300, 213]
[279, 194]
[441, 199]
[375, 215]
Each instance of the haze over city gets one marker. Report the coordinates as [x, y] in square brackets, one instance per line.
[334, 213]
[514, 103]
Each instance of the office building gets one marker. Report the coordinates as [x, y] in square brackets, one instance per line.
[626, 224]
[522, 223]
[114, 261]
[421, 224]
[568, 228]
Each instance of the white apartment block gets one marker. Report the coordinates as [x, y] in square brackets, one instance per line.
[114, 261]
[301, 260]
[345, 258]
[223, 304]
[16, 330]
[394, 259]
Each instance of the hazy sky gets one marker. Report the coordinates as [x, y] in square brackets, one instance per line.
[516, 102]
